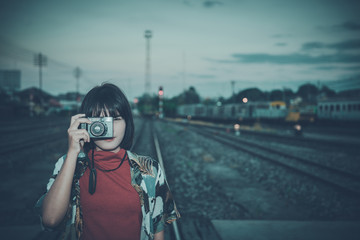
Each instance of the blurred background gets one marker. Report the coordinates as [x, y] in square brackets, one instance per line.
[284, 75]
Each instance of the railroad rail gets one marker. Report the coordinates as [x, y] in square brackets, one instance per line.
[344, 182]
[16, 138]
[147, 133]
[285, 137]
[184, 229]
[31, 125]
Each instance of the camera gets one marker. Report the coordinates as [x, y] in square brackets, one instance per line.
[100, 127]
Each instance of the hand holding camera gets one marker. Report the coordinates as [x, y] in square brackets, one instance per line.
[82, 129]
[77, 136]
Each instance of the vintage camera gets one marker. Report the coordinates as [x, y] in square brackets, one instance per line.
[100, 127]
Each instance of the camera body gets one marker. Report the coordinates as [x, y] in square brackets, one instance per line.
[100, 127]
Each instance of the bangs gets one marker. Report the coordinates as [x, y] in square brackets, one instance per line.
[104, 102]
[109, 110]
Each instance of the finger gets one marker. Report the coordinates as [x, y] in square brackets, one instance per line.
[73, 118]
[85, 135]
[80, 136]
[76, 133]
[78, 121]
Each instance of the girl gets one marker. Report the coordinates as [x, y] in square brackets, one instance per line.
[101, 190]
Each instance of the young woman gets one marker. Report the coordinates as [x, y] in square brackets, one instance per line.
[101, 190]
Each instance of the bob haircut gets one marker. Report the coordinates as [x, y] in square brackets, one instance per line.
[109, 97]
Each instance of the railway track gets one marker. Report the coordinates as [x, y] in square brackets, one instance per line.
[26, 127]
[147, 143]
[33, 137]
[21, 145]
[286, 136]
[17, 140]
[342, 181]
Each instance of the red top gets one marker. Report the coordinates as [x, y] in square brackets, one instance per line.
[113, 211]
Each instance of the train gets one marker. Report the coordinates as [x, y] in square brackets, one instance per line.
[279, 111]
[274, 110]
[339, 109]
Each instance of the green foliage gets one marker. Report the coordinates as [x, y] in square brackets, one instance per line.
[252, 94]
[4, 97]
[170, 107]
[308, 92]
[150, 104]
[276, 95]
[353, 93]
[147, 104]
[327, 92]
[189, 96]
[288, 94]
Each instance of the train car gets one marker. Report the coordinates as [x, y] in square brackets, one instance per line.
[198, 110]
[269, 110]
[325, 110]
[339, 109]
[302, 113]
[256, 110]
[235, 111]
[184, 110]
[273, 110]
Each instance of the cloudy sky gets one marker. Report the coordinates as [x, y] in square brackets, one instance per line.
[267, 44]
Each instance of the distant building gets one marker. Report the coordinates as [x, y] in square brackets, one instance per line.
[10, 80]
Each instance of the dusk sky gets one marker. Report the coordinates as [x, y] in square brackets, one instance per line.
[269, 44]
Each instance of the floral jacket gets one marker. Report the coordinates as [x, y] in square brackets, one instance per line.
[147, 178]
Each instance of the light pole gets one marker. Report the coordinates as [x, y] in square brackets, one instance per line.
[40, 60]
[233, 88]
[77, 75]
[148, 35]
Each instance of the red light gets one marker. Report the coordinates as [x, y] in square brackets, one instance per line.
[161, 92]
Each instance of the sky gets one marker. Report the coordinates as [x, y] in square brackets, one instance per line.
[268, 44]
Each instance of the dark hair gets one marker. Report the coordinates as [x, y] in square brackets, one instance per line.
[108, 96]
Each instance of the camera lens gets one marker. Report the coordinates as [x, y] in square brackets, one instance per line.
[97, 129]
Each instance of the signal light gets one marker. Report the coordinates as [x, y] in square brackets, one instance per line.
[161, 91]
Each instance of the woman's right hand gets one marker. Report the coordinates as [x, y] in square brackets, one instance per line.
[56, 201]
[77, 136]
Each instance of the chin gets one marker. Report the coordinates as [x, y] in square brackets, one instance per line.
[109, 149]
[105, 146]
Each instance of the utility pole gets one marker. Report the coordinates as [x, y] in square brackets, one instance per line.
[148, 35]
[233, 87]
[77, 75]
[283, 94]
[184, 71]
[233, 91]
[41, 61]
